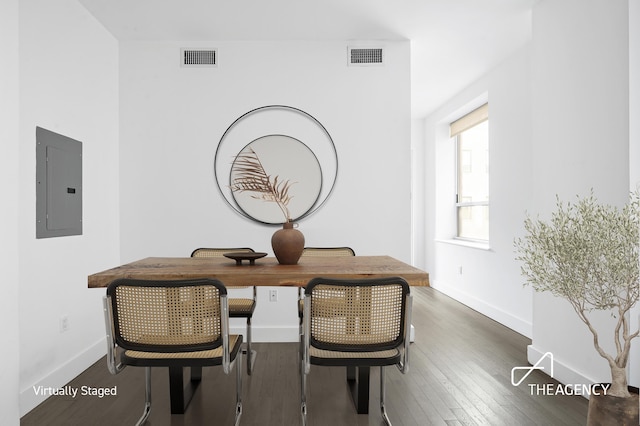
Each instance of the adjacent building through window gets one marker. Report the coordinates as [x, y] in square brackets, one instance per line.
[471, 136]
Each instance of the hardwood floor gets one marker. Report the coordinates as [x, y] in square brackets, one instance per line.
[460, 374]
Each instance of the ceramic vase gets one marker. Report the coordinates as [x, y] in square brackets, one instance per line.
[287, 244]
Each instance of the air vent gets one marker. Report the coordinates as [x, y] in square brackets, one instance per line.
[198, 57]
[366, 56]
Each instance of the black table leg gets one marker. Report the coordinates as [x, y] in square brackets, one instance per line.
[358, 380]
[179, 393]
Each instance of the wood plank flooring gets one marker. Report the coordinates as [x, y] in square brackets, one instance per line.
[460, 374]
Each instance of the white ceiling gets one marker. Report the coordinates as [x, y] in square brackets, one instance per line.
[453, 42]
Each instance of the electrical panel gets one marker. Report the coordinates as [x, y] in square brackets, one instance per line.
[58, 185]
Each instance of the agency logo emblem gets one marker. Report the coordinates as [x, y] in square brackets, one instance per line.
[529, 370]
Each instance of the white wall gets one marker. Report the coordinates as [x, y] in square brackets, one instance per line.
[68, 84]
[9, 98]
[634, 148]
[580, 141]
[172, 119]
[490, 281]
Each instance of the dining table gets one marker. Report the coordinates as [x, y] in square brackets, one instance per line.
[266, 271]
[263, 272]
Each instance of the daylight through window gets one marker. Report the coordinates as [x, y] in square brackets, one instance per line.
[471, 135]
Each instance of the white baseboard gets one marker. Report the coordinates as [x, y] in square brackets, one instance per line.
[61, 376]
[269, 334]
[497, 314]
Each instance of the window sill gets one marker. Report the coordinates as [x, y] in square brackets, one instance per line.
[466, 243]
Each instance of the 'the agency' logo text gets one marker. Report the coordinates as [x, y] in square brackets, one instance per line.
[545, 363]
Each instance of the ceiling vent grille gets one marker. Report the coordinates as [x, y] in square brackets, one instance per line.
[198, 57]
[366, 56]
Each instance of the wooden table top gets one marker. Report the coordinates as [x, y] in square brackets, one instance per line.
[266, 271]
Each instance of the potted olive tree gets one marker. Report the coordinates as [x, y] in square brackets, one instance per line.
[589, 254]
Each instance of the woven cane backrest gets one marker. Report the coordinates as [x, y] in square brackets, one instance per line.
[167, 316]
[327, 251]
[219, 252]
[357, 315]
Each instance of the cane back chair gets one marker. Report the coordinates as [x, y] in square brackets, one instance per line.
[320, 252]
[174, 324]
[356, 323]
[239, 307]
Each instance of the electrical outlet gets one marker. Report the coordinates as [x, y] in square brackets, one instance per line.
[273, 295]
[64, 324]
[460, 270]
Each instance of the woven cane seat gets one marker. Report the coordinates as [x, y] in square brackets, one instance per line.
[241, 307]
[336, 358]
[212, 356]
[387, 355]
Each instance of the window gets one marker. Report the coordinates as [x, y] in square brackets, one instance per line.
[471, 135]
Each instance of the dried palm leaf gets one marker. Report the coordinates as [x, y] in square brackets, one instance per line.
[250, 176]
